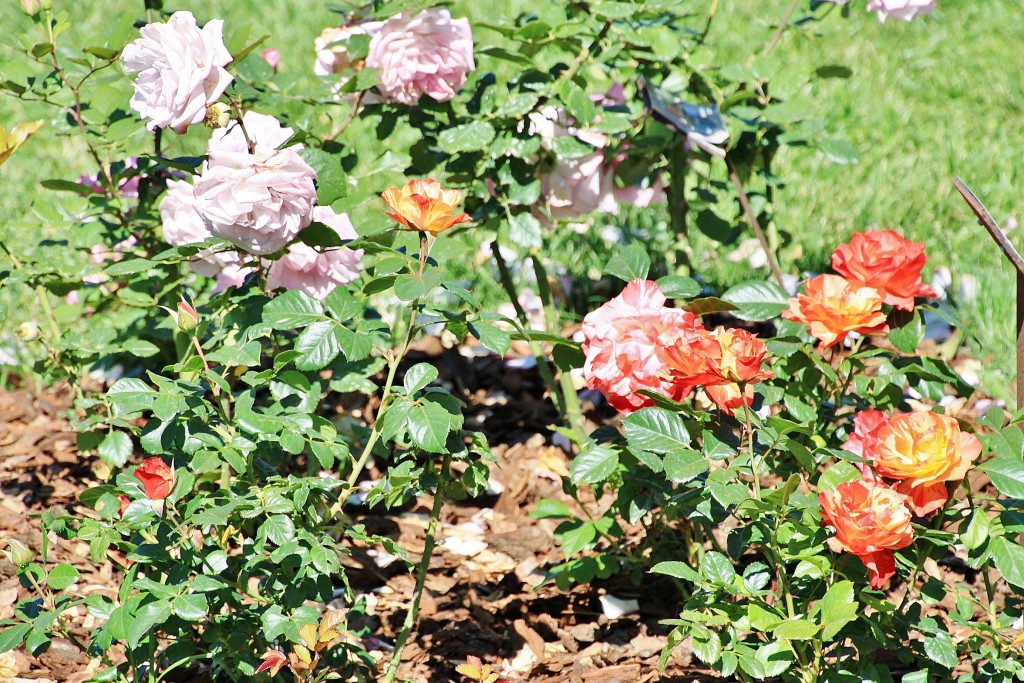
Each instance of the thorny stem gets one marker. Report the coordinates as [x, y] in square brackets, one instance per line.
[754, 469]
[250, 143]
[777, 36]
[754, 223]
[711, 17]
[421, 572]
[585, 54]
[990, 605]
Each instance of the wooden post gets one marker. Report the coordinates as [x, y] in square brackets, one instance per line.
[985, 218]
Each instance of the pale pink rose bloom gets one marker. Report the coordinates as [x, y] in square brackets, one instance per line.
[183, 225]
[578, 186]
[333, 59]
[314, 272]
[258, 201]
[272, 56]
[127, 187]
[71, 298]
[900, 9]
[625, 343]
[426, 54]
[181, 71]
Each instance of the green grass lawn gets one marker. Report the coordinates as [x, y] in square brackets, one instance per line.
[926, 101]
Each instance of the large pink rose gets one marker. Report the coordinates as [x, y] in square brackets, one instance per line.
[900, 9]
[181, 71]
[258, 201]
[183, 225]
[318, 272]
[424, 54]
[332, 57]
[626, 342]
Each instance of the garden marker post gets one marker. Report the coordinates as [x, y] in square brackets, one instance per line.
[985, 218]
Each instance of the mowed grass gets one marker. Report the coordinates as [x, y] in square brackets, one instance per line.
[929, 100]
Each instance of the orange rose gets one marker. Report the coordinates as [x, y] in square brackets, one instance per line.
[870, 521]
[423, 205]
[156, 477]
[833, 308]
[737, 357]
[923, 450]
[728, 396]
[884, 260]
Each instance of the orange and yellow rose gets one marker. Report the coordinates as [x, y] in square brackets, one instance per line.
[922, 451]
[884, 260]
[425, 206]
[871, 521]
[833, 308]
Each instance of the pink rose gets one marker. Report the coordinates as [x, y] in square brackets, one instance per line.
[181, 71]
[258, 201]
[900, 9]
[625, 343]
[578, 186]
[183, 225]
[314, 272]
[331, 52]
[272, 56]
[426, 54]
[126, 187]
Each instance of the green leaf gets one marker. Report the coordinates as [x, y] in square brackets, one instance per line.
[279, 529]
[796, 629]
[680, 570]
[631, 263]
[706, 645]
[524, 230]
[130, 395]
[411, 286]
[429, 424]
[684, 465]
[342, 305]
[62, 576]
[837, 474]
[469, 137]
[191, 606]
[839, 151]
[656, 429]
[576, 538]
[418, 376]
[593, 464]
[975, 530]
[1009, 560]
[757, 301]
[838, 608]
[115, 449]
[679, 287]
[129, 267]
[291, 310]
[12, 636]
[709, 304]
[318, 344]
[146, 620]
[907, 337]
[717, 568]
[940, 649]
[548, 508]
[493, 338]
[331, 180]
[1006, 473]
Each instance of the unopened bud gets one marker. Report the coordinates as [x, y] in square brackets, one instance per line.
[27, 331]
[34, 7]
[187, 317]
[18, 553]
[218, 115]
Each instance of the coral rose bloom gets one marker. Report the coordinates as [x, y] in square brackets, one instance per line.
[923, 450]
[884, 260]
[870, 521]
[833, 308]
[735, 357]
[866, 425]
[424, 205]
[728, 397]
[626, 343]
[156, 477]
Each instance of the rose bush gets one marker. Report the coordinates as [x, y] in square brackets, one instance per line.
[796, 500]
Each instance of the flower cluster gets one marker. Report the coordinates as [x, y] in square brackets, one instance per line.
[425, 53]
[897, 9]
[875, 268]
[635, 343]
[920, 452]
[578, 186]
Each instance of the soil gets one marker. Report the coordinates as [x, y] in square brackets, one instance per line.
[486, 595]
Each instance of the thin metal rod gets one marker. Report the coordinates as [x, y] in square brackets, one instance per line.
[985, 218]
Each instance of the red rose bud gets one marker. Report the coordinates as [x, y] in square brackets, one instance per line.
[125, 502]
[187, 317]
[156, 477]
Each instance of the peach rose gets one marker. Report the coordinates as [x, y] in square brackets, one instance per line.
[870, 521]
[833, 308]
[924, 450]
[728, 397]
[424, 205]
[884, 260]
[626, 342]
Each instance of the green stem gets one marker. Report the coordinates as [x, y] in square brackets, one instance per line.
[777, 36]
[677, 207]
[421, 572]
